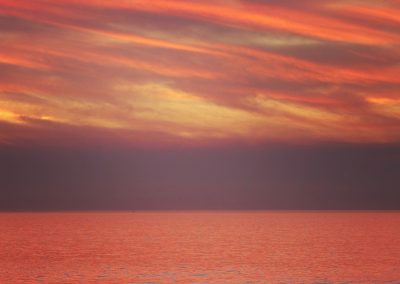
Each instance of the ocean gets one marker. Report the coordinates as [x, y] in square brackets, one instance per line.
[200, 247]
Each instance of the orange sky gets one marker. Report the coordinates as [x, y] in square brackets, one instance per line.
[199, 72]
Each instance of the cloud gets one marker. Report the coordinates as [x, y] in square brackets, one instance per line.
[200, 72]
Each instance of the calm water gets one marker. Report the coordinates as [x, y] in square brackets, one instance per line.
[207, 247]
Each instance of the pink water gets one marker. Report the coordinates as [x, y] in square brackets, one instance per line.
[200, 247]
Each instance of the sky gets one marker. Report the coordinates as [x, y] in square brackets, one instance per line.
[199, 104]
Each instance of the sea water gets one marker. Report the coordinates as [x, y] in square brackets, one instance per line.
[200, 247]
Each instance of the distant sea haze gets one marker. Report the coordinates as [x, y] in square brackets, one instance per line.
[200, 247]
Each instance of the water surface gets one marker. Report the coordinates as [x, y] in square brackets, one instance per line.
[200, 247]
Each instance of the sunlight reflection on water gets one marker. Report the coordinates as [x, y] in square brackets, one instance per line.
[200, 247]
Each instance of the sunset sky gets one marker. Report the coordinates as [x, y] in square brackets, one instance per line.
[299, 87]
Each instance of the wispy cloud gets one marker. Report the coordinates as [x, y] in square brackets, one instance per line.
[199, 72]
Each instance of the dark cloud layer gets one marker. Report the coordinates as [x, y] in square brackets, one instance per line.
[268, 177]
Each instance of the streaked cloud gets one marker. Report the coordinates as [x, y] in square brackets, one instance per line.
[200, 72]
